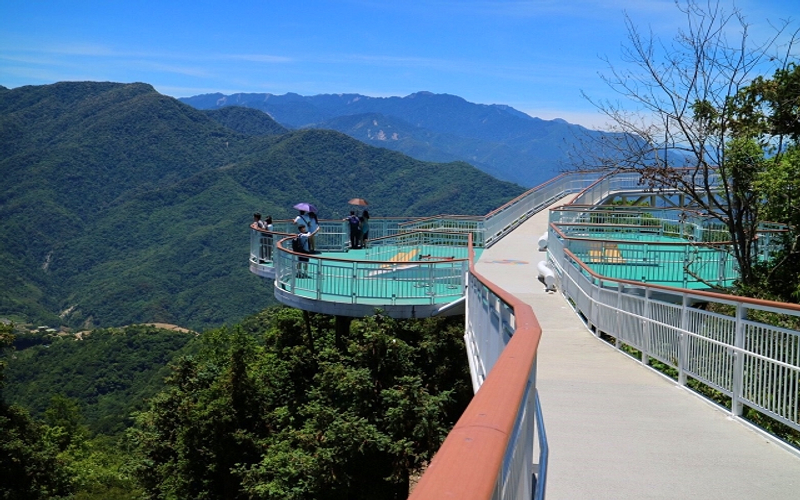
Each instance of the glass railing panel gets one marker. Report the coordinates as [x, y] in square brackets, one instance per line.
[427, 279]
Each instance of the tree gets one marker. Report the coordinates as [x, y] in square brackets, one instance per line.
[767, 114]
[687, 97]
[29, 466]
[262, 413]
[63, 419]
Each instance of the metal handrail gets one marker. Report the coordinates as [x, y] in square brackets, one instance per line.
[506, 218]
[754, 363]
[485, 231]
[489, 452]
[429, 278]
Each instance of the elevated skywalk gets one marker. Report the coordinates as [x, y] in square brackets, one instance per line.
[617, 429]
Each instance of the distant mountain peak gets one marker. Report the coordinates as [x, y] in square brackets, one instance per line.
[427, 95]
[500, 140]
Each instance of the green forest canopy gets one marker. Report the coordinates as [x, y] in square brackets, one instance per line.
[277, 407]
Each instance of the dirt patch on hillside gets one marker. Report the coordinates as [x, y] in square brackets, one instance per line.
[167, 326]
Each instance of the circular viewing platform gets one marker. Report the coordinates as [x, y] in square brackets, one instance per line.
[407, 275]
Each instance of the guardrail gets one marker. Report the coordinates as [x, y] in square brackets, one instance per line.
[334, 234]
[753, 363]
[630, 181]
[678, 263]
[603, 186]
[490, 451]
[455, 223]
[672, 222]
[420, 244]
[506, 218]
[427, 277]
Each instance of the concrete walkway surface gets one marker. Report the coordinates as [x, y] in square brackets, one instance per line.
[618, 430]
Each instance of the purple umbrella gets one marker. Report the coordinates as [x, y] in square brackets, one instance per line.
[306, 207]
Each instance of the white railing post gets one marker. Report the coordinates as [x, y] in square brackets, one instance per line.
[618, 317]
[646, 328]
[318, 278]
[354, 283]
[683, 343]
[596, 307]
[738, 361]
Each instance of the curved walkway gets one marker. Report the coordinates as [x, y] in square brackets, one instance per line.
[618, 430]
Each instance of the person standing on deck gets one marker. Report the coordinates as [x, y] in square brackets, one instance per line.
[364, 228]
[301, 219]
[302, 262]
[355, 229]
[313, 227]
[263, 253]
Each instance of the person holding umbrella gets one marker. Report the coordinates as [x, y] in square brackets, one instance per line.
[302, 238]
[308, 218]
[303, 218]
[364, 228]
[313, 228]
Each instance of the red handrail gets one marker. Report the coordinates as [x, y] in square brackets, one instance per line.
[469, 461]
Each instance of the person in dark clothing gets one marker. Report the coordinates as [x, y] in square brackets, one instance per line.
[364, 229]
[313, 227]
[355, 229]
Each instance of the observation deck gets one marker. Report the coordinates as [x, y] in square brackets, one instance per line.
[415, 272]
[640, 276]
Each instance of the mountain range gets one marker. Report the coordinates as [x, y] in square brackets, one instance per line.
[120, 205]
[498, 139]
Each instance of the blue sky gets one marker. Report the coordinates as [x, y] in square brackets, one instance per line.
[536, 56]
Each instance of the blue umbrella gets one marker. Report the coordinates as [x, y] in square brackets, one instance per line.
[307, 207]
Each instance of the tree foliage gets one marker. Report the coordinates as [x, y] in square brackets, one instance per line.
[273, 409]
[767, 114]
[29, 465]
[246, 121]
[705, 96]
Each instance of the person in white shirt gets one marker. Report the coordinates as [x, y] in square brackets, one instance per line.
[303, 236]
[301, 219]
[264, 250]
[257, 222]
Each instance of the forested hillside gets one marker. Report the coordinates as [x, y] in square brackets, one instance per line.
[110, 372]
[283, 405]
[246, 121]
[121, 205]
